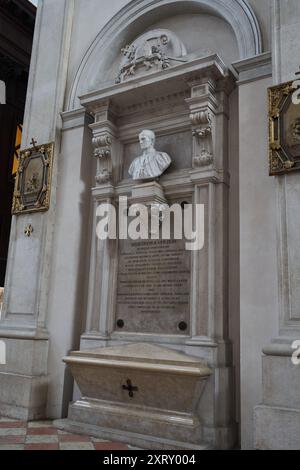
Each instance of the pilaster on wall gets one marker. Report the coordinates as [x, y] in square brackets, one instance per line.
[106, 151]
[23, 320]
[277, 419]
[69, 255]
[258, 279]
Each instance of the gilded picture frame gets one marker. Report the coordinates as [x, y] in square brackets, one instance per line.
[284, 130]
[33, 180]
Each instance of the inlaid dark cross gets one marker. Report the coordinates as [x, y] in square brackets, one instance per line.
[33, 142]
[130, 388]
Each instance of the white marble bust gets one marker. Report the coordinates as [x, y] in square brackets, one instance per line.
[151, 164]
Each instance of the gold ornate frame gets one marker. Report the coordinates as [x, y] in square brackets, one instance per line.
[33, 180]
[284, 130]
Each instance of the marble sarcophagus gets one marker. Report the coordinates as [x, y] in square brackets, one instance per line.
[140, 393]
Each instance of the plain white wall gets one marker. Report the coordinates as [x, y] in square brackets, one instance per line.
[257, 205]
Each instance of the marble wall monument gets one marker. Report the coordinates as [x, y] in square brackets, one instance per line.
[149, 297]
[107, 75]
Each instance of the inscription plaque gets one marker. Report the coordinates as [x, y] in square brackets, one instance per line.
[153, 292]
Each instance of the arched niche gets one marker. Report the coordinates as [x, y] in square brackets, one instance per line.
[233, 18]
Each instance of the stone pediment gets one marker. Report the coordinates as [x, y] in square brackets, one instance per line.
[160, 85]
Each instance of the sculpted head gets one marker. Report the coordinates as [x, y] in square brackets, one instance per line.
[147, 139]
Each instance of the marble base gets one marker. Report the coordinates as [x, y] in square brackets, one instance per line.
[23, 379]
[163, 407]
[277, 419]
[276, 428]
[221, 437]
[23, 397]
[148, 193]
[138, 440]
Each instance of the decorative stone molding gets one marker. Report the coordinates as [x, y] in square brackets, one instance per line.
[102, 146]
[237, 13]
[202, 108]
[205, 159]
[201, 117]
[103, 176]
[102, 151]
[254, 68]
[156, 102]
[75, 118]
[202, 133]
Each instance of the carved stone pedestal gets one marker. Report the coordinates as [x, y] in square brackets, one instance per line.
[140, 393]
[148, 193]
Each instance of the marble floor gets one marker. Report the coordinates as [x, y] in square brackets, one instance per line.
[42, 435]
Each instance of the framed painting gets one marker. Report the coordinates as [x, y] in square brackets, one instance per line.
[284, 130]
[33, 180]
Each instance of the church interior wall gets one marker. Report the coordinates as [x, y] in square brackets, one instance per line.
[212, 34]
[253, 304]
[258, 259]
